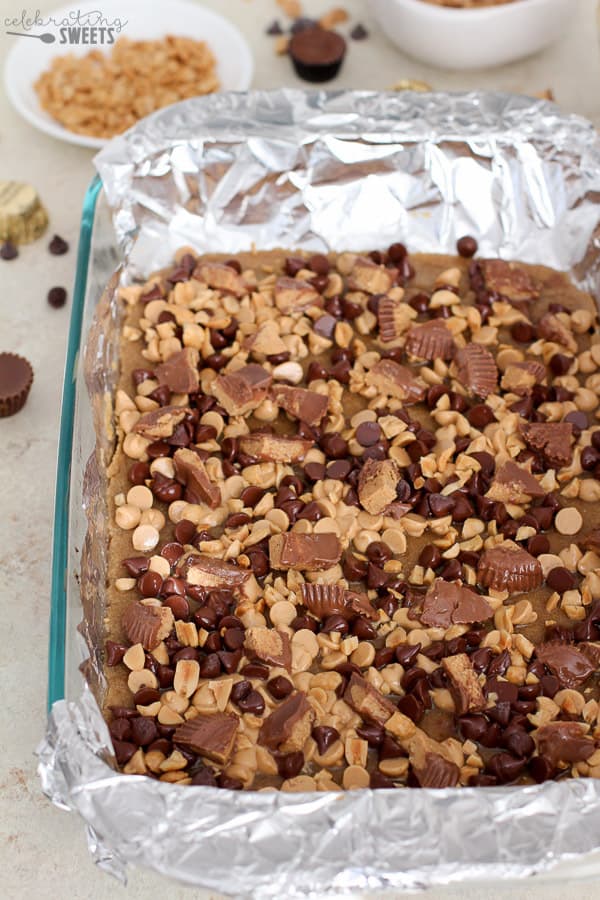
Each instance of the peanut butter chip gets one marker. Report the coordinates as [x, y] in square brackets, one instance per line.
[568, 520]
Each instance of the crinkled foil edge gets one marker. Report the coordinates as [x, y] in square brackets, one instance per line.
[548, 165]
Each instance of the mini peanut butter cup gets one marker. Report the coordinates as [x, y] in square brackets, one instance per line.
[16, 378]
[317, 53]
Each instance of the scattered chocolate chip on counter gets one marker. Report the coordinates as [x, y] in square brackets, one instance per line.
[57, 297]
[8, 250]
[58, 246]
[354, 538]
[359, 33]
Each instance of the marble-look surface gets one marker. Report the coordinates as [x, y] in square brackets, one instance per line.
[42, 850]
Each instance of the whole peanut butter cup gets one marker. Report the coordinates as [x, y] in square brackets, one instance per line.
[317, 53]
[16, 378]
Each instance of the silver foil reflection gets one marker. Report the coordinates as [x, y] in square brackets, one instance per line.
[332, 171]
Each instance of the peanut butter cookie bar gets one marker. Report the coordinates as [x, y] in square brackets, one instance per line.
[355, 536]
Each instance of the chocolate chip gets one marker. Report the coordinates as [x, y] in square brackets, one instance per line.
[136, 565]
[406, 654]
[179, 606]
[58, 246]
[120, 729]
[230, 784]
[590, 457]
[466, 246]
[522, 333]
[319, 264]
[259, 562]
[368, 433]
[541, 769]
[334, 446]
[210, 667]
[560, 579]
[505, 767]
[185, 531]
[359, 33]
[520, 743]
[143, 731]
[255, 670]
[473, 726]
[339, 470]
[279, 687]
[57, 297]
[8, 250]
[123, 751]
[114, 652]
[337, 624]
[324, 736]
[430, 557]
[371, 733]
[480, 415]
[253, 702]
[290, 764]
[410, 706]
[205, 777]
[538, 544]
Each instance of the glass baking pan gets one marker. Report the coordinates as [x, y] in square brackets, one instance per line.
[97, 260]
[263, 843]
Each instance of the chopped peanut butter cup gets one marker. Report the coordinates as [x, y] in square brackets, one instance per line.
[274, 448]
[146, 624]
[242, 391]
[289, 725]
[395, 380]
[304, 552]
[464, 684]
[180, 372]
[552, 439]
[451, 602]
[308, 406]
[476, 370]
[432, 340]
[564, 742]
[191, 472]
[552, 329]
[369, 277]
[293, 295]
[377, 485]
[367, 701]
[211, 736]
[508, 279]
[437, 772]
[269, 644]
[508, 567]
[521, 377]
[323, 600]
[514, 484]
[391, 319]
[160, 424]
[210, 573]
[570, 665]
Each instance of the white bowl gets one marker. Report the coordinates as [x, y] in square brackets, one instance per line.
[472, 38]
[29, 57]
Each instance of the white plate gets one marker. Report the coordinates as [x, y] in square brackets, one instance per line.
[29, 57]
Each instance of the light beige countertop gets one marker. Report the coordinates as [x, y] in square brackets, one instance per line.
[43, 851]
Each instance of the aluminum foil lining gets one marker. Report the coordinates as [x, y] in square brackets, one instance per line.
[342, 170]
